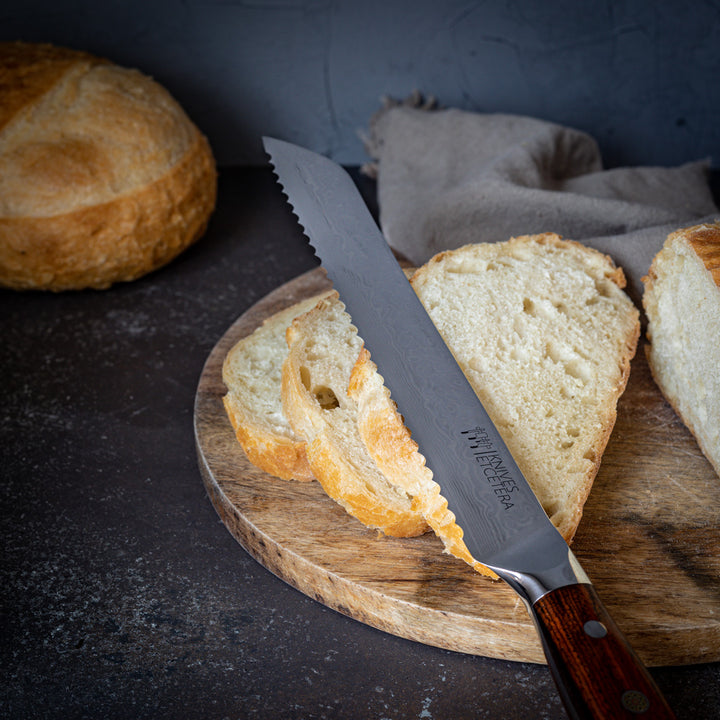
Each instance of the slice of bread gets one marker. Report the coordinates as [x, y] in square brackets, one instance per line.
[545, 335]
[252, 374]
[388, 442]
[323, 348]
[682, 303]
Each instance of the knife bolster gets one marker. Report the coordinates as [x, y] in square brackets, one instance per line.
[532, 586]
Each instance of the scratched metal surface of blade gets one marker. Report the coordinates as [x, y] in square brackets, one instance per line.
[504, 525]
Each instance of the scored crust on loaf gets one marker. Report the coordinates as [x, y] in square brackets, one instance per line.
[682, 303]
[252, 374]
[545, 335]
[323, 346]
[104, 177]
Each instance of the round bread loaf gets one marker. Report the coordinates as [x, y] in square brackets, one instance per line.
[103, 177]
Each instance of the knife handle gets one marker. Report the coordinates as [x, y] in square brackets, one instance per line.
[596, 671]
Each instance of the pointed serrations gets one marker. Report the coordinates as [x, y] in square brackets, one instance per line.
[432, 394]
[296, 214]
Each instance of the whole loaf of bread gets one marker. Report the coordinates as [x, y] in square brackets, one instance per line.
[103, 177]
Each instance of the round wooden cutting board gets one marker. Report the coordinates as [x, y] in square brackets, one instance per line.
[649, 538]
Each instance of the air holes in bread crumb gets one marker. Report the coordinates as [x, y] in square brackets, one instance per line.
[468, 266]
[572, 365]
[579, 370]
[542, 309]
[552, 351]
[551, 508]
[305, 378]
[603, 287]
[324, 395]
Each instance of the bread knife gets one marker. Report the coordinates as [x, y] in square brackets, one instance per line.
[597, 673]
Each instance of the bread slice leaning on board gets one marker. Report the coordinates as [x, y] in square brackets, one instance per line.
[252, 375]
[682, 303]
[323, 348]
[545, 335]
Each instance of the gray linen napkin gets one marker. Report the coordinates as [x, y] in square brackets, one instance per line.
[449, 177]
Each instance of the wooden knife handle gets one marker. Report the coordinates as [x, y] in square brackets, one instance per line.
[596, 671]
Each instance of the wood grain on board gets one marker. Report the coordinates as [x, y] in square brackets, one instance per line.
[649, 538]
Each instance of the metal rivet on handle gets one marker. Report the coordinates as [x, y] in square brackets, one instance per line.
[595, 629]
[635, 701]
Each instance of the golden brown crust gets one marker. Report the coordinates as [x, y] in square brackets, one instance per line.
[104, 179]
[30, 70]
[118, 241]
[705, 241]
[386, 437]
[332, 471]
[281, 457]
[251, 373]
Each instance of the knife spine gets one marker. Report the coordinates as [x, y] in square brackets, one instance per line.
[365, 244]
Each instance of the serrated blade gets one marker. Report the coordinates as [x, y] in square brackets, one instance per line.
[504, 525]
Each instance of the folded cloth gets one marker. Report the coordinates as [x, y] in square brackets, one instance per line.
[446, 178]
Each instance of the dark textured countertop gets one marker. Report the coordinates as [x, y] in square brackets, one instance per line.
[123, 594]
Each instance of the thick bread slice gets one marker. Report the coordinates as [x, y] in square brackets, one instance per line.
[388, 442]
[251, 372]
[545, 335]
[682, 302]
[323, 347]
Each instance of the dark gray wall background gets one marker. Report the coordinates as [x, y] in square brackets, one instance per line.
[641, 76]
